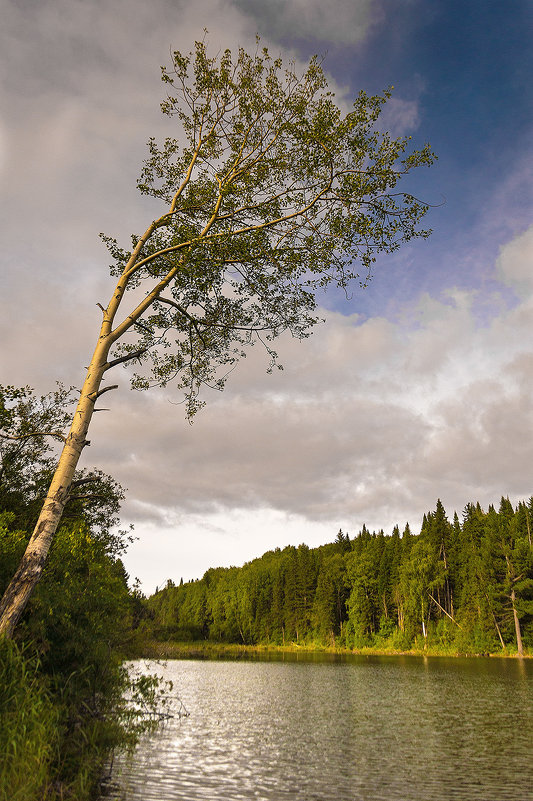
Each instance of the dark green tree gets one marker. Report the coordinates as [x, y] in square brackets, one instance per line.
[517, 589]
[300, 586]
[342, 540]
[439, 533]
[329, 606]
[362, 571]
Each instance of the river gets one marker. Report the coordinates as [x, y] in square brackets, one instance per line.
[355, 729]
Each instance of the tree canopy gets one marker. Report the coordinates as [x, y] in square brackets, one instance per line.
[271, 192]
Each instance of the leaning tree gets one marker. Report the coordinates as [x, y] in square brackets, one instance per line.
[268, 193]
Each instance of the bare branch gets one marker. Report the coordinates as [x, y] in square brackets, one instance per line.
[88, 480]
[95, 395]
[122, 359]
[445, 612]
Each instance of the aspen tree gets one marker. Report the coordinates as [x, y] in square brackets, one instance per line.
[269, 192]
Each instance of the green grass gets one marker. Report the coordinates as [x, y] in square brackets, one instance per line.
[28, 730]
[205, 649]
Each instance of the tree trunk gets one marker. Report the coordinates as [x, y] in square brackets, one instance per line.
[517, 625]
[31, 566]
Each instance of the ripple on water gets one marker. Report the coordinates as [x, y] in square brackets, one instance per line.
[368, 730]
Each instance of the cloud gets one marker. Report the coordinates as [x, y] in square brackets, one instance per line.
[371, 419]
[338, 22]
[400, 117]
[79, 98]
[225, 539]
[370, 422]
[515, 263]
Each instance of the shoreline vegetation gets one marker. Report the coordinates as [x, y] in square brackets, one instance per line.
[461, 589]
[456, 588]
[67, 699]
[157, 650]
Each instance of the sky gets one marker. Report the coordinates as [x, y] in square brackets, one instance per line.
[416, 388]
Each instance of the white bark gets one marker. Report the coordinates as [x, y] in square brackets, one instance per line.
[31, 567]
[32, 564]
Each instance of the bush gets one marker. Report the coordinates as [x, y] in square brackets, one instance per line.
[68, 712]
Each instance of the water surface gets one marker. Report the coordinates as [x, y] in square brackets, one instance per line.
[363, 729]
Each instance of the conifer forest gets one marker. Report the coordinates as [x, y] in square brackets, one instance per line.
[464, 585]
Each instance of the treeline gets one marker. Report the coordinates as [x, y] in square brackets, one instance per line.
[461, 586]
[62, 679]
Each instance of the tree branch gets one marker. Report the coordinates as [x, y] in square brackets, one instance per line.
[95, 395]
[445, 612]
[88, 480]
[121, 360]
[56, 434]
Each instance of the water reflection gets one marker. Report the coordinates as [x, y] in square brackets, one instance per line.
[370, 728]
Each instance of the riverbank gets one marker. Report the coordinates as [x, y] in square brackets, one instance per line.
[204, 649]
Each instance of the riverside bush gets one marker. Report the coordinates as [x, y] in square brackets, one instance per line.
[64, 682]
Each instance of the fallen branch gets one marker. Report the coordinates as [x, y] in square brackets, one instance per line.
[445, 612]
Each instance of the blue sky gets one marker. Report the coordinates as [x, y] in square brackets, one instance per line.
[418, 387]
[466, 66]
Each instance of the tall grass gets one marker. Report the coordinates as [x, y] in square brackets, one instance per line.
[28, 727]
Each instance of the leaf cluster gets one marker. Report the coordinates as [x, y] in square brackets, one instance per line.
[31, 426]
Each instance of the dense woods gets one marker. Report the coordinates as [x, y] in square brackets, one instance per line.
[464, 585]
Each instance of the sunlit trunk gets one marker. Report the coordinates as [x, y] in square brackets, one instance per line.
[32, 564]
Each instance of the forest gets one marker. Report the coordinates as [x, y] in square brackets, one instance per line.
[464, 586]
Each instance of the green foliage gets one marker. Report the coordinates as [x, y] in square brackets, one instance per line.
[329, 605]
[12, 546]
[28, 726]
[76, 701]
[362, 569]
[454, 588]
[75, 630]
[30, 428]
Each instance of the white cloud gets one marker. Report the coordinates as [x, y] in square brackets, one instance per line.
[369, 422]
[193, 543]
[400, 117]
[515, 264]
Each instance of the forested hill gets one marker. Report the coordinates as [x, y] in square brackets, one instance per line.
[465, 585]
